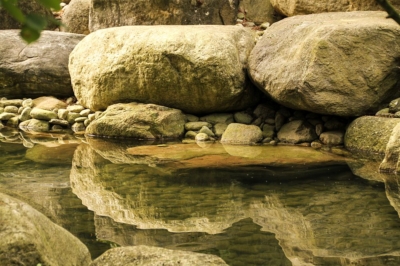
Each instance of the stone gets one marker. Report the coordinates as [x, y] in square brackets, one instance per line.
[241, 134]
[107, 14]
[319, 128]
[27, 7]
[25, 114]
[334, 124]
[297, 131]
[368, 135]
[394, 105]
[30, 238]
[43, 114]
[303, 7]
[207, 131]
[13, 122]
[76, 108]
[59, 122]
[384, 113]
[71, 116]
[195, 126]
[190, 134]
[75, 18]
[279, 120]
[192, 118]
[206, 74]
[268, 131]
[225, 118]
[48, 103]
[202, 137]
[30, 70]
[390, 163]
[318, 62]
[85, 112]
[11, 109]
[141, 121]
[264, 111]
[34, 125]
[154, 256]
[332, 137]
[63, 114]
[242, 118]
[5, 116]
[27, 103]
[78, 127]
[219, 129]
[80, 119]
[14, 102]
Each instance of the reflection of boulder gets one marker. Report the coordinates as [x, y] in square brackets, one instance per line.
[312, 225]
[29, 238]
[154, 256]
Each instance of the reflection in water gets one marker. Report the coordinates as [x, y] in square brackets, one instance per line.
[254, 209]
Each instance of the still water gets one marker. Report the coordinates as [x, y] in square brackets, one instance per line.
[248, 205]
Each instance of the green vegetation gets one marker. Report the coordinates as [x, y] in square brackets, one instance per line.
[31, 24]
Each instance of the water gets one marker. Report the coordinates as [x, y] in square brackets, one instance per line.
[247, 205]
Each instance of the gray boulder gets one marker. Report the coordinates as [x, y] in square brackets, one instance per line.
[332, 63]
[154, 256]
[109, 13]
[241, 134]
[297, 131]
[38, 69]
[76, 17]
[30, 238]
[141, 121]
[197, 69]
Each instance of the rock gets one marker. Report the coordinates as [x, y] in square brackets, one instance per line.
[190, 134]
[75, 18]
[332, 137]
[318, 62]
[13, 122]
[268, 131]
[136, 120]
[264, 111]
[37, 69]
[5, 116]
[48, 103]
[85, 112]
[202, 137]
[63, 114]
[27, 7]
[241, 134]
[258, 11]
[11, 109]
[207, 131]
[34, 125]
[71, 116]
[78, 126]
[192, 118]
[14, 102]
[42, 114]
[242, 118]
[27, 103]
[30, 238]
[225, 118]
[185, 67]
[25, 114]
[369, 135]
[154, 256]
[76, 108]
[219, 129]
[302, 7]
[394, 106]
[297, 131]
[59, 122]
[195, 126]
[107, 14]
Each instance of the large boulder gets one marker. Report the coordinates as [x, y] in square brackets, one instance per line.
[154, 256]
[30, 238]
[197, 69]
[258, 11]
[110, 13]
[38, 69]
[27, 7]
[333, 63]
[75, 17]
[140, 121]
[301, 7]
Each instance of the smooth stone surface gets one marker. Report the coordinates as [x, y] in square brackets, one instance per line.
[297, 131]
[241, 134]
[42, 114]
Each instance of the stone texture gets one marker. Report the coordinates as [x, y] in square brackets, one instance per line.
[302, 7]
[390, 163]
[48, 103]
[27, 7]
[241, 134]
[332, 137]
[189, 68]
[369, 135]
[258, 11]
[154, 256]
[297, 131]
[75, 17]
[141, 121]
[34, 125]
[332, 63]
[38, 69]
[109, 13]
[30, 238]
[42, 114]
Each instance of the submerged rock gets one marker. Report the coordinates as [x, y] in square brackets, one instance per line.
[30, 238]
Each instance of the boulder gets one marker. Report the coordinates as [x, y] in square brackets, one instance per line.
[48, 103]
[154, 256]
[302, 7]
[369, 135]
[141, 121]
[390, 163]
[258, 11]
[332, 63]
[241, 134]
[34, 125]
[38, 69]
[30, 238]
[197, 69]
[76, 17]
[110, 13]
[297, 131]
[27, 7]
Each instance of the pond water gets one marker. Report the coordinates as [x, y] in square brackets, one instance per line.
[253, 205]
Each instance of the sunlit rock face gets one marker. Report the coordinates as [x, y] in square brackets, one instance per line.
[190, 68]
[30, 238]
